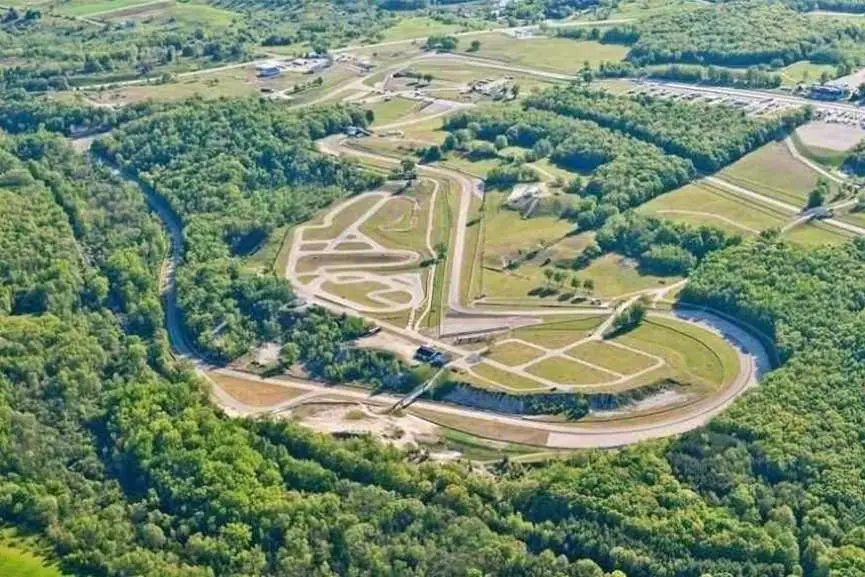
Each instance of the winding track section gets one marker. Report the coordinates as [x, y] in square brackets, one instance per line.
[753, 357]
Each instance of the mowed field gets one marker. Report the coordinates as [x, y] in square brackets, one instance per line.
[547, 53]
[19, 559]
[390, 111]
[705, 203]
[772, 170]
[662, 348]
[418, 27]
[693, 355]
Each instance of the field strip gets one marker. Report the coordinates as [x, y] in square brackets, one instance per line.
[709, 214]
[131, 7]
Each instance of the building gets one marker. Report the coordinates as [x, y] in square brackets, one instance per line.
[427, 354]
[829, 92]
[268, 69]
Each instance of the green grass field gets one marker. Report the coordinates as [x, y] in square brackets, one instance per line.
[393, 110]
[505, 378]
[88, 7]
[402, 222]
[19, 558]
[553, 54]
[805, 72]
[815, 234]
[611, 357]
[615, 275]
[513, 353]
[356, 291]
[508, 233]
[567, 372]
[417, 27]
[704, 203]
[345, 217]
[559, 333]
[693, 355]
[20, 563]
[773, 171]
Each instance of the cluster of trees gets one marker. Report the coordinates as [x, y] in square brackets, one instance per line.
[442, 42]
[22, 112]
[630, 317]
[661, 247]
[855, 161]
[539, 10]
[752, 77]
[55, 53]
[618, 171]
[739, 33]
[709, 136]
[233, 171]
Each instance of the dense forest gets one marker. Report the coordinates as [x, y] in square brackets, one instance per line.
[661, 247]
[710, 136]
[117, 459]
[234, 171]
[740, 33]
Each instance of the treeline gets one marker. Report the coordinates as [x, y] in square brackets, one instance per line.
[537, 10]
[617, 170]
[572, 406]
[739, 33]
[753, 77]
[709, 136]
[21, 112]
[660, 246]
[234, 171]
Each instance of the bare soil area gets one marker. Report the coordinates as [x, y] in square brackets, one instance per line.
[840, 137]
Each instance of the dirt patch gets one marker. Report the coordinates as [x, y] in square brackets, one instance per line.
[484, 428]
[403, 431]
[839, 137]
[255, 393]
[400, 346]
